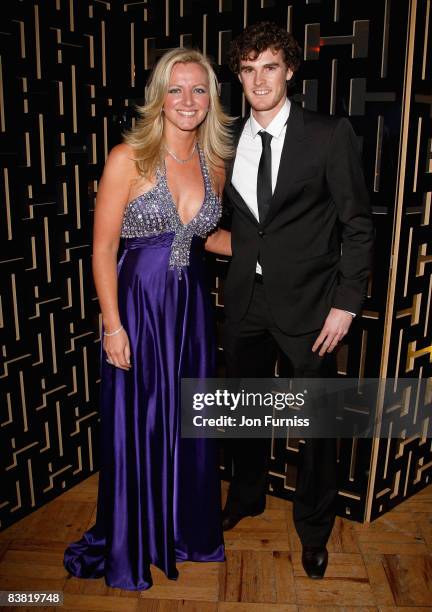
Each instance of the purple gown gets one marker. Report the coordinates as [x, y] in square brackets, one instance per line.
[159, 494]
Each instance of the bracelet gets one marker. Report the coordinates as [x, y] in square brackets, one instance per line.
[114, 332]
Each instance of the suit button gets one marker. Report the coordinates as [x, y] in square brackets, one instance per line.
[261, 233]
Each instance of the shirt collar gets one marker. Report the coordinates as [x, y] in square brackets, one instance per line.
[276, 126]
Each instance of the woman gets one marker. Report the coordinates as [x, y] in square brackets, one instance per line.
[159, 494]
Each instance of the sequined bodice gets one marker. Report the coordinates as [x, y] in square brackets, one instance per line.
[154, 212]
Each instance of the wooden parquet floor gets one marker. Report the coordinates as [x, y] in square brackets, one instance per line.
[385, 565]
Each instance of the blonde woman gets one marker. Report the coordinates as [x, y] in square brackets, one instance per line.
[159, 494]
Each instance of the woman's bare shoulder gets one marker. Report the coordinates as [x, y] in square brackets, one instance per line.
[122, 153]
[121, 161]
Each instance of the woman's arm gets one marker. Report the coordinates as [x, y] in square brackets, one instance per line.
[112, 196]
[219, 242]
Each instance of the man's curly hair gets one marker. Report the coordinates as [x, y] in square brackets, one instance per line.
[257, 38]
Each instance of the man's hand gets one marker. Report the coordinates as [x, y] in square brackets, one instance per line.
[336, 326]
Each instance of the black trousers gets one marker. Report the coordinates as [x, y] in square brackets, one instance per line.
[251, 349]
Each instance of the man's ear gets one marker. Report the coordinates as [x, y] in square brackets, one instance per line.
[239, 77]
[289, 74]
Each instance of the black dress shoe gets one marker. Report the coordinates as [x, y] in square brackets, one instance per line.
[315, 559]
[230, 519]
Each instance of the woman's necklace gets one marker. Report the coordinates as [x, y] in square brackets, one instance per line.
[181, 161]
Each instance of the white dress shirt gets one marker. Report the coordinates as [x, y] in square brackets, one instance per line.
[249, 149]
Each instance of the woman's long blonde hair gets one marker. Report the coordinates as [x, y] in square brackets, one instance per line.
[146, 137]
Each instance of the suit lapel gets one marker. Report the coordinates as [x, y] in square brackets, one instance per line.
[289, 163]
[237, 132]
[231, 191]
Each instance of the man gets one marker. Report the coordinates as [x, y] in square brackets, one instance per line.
[301, 238]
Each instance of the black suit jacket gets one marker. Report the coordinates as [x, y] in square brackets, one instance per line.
[315, 244]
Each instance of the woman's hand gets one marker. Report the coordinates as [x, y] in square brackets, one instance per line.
[118, 350]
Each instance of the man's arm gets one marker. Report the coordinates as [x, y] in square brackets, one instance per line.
[348, 189]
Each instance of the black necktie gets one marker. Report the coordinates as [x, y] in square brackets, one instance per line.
[264, 179]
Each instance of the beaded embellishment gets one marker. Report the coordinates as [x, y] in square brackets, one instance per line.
[154, 212]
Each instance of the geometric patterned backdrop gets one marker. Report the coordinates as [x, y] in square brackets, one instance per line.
[71, 72]
[402, 467]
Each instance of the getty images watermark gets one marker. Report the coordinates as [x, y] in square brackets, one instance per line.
[306, 408]
[223, 398]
